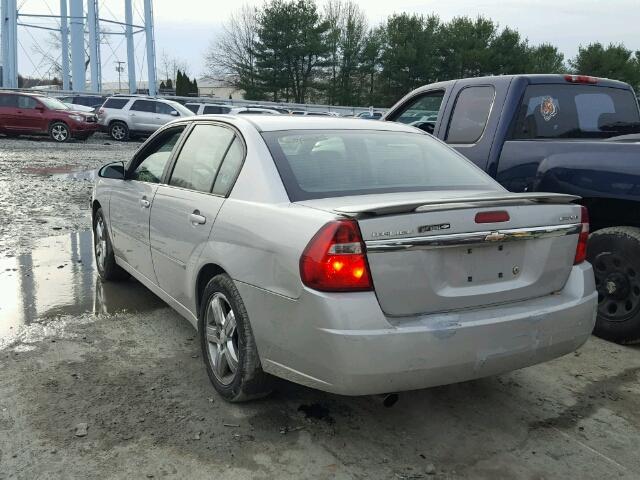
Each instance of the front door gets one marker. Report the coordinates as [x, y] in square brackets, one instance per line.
[184, 211]
[30, 116]
[130, 205]
[142, 115]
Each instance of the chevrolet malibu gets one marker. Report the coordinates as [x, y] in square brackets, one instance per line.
[350, 256]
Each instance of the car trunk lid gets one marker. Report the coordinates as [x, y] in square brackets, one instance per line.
[427, 253]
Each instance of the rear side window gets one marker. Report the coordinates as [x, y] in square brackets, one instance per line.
[115, 103]
[321, 164]
[470, 114]
[144, 106]
[193, 108]
[230, 168]
[200, 158]
[576, 111]
[8, 101]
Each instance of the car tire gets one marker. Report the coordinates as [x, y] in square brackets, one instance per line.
[228, 346]
[59, 132]
[108, 269]
[119, 131]
[615, 255]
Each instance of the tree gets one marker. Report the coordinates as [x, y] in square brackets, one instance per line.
[546, 58]
[409, 54]
[163, 86]
[352, 41]
[369, 67]
[291, 46]
[232, 57]
[509, 53]
[170, 66]
[195, 89]
[615, 62]
[465, 47]
[169, 84]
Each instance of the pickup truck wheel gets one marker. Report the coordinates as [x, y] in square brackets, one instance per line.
[228, 346]
[59, 132]
[119, 131]
[107, 267]
[615, 255]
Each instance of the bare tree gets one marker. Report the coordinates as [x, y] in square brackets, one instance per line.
[170, 66]
[231, 57]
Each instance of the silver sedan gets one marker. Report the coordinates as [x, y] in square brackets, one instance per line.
[350, 256]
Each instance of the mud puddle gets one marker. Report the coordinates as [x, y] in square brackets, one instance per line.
[58, 277]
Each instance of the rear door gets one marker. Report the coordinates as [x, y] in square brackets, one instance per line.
[130, 206]
[142, 115]
[8, 112]
[184, 210]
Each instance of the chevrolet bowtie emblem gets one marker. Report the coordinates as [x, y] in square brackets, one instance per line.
[494, 237]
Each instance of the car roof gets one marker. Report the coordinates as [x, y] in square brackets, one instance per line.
[272, 123]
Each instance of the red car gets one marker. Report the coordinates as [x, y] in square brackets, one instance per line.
[32, 114]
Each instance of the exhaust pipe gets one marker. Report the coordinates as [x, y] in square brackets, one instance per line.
[389, 399]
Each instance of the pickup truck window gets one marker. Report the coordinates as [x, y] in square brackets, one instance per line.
[576, 111]
[470, 114]
[422, 111]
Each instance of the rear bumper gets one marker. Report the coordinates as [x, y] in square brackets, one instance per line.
[343, 343]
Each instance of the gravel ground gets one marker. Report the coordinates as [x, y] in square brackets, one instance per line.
[105, 381]
[45, 187]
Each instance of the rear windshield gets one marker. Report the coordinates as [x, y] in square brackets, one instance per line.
[322, 164]
[576, 111]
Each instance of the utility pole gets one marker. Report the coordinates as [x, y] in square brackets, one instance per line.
[131, 54]
[64, 44]
[119, 69]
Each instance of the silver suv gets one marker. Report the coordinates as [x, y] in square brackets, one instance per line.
[124, 117]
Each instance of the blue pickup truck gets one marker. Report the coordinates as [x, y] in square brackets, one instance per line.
[555, 133]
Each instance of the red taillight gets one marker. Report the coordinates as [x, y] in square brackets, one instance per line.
[583, 238]
[334, 260]
[492, 217]
[581, 79]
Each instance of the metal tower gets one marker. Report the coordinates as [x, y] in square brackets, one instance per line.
[73, 18]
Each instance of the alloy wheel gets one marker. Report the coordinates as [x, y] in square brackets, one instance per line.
[100, 243]
[59, 133]
[222, 338]
[118, 132]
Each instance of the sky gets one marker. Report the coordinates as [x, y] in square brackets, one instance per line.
[185, 28]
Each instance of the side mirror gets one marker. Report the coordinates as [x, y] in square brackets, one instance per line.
[114, 170]
[174, 113]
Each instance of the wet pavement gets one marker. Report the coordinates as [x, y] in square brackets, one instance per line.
[57, 278]
[105, 381]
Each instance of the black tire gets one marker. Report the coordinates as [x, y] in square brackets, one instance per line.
[615, 255]
[108, 269]
[119, 131]
[248, 382]
[59, 132]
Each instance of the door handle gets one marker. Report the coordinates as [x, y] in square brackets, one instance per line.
[132, 114]
[196, 219]
[144, 203]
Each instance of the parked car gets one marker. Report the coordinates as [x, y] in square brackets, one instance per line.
[78, 108]
[253, 111]
[370, 115]
[122, 117]
[348, 256]
[34, 114]
[555, 133]
[91, 101]
[207, 108]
